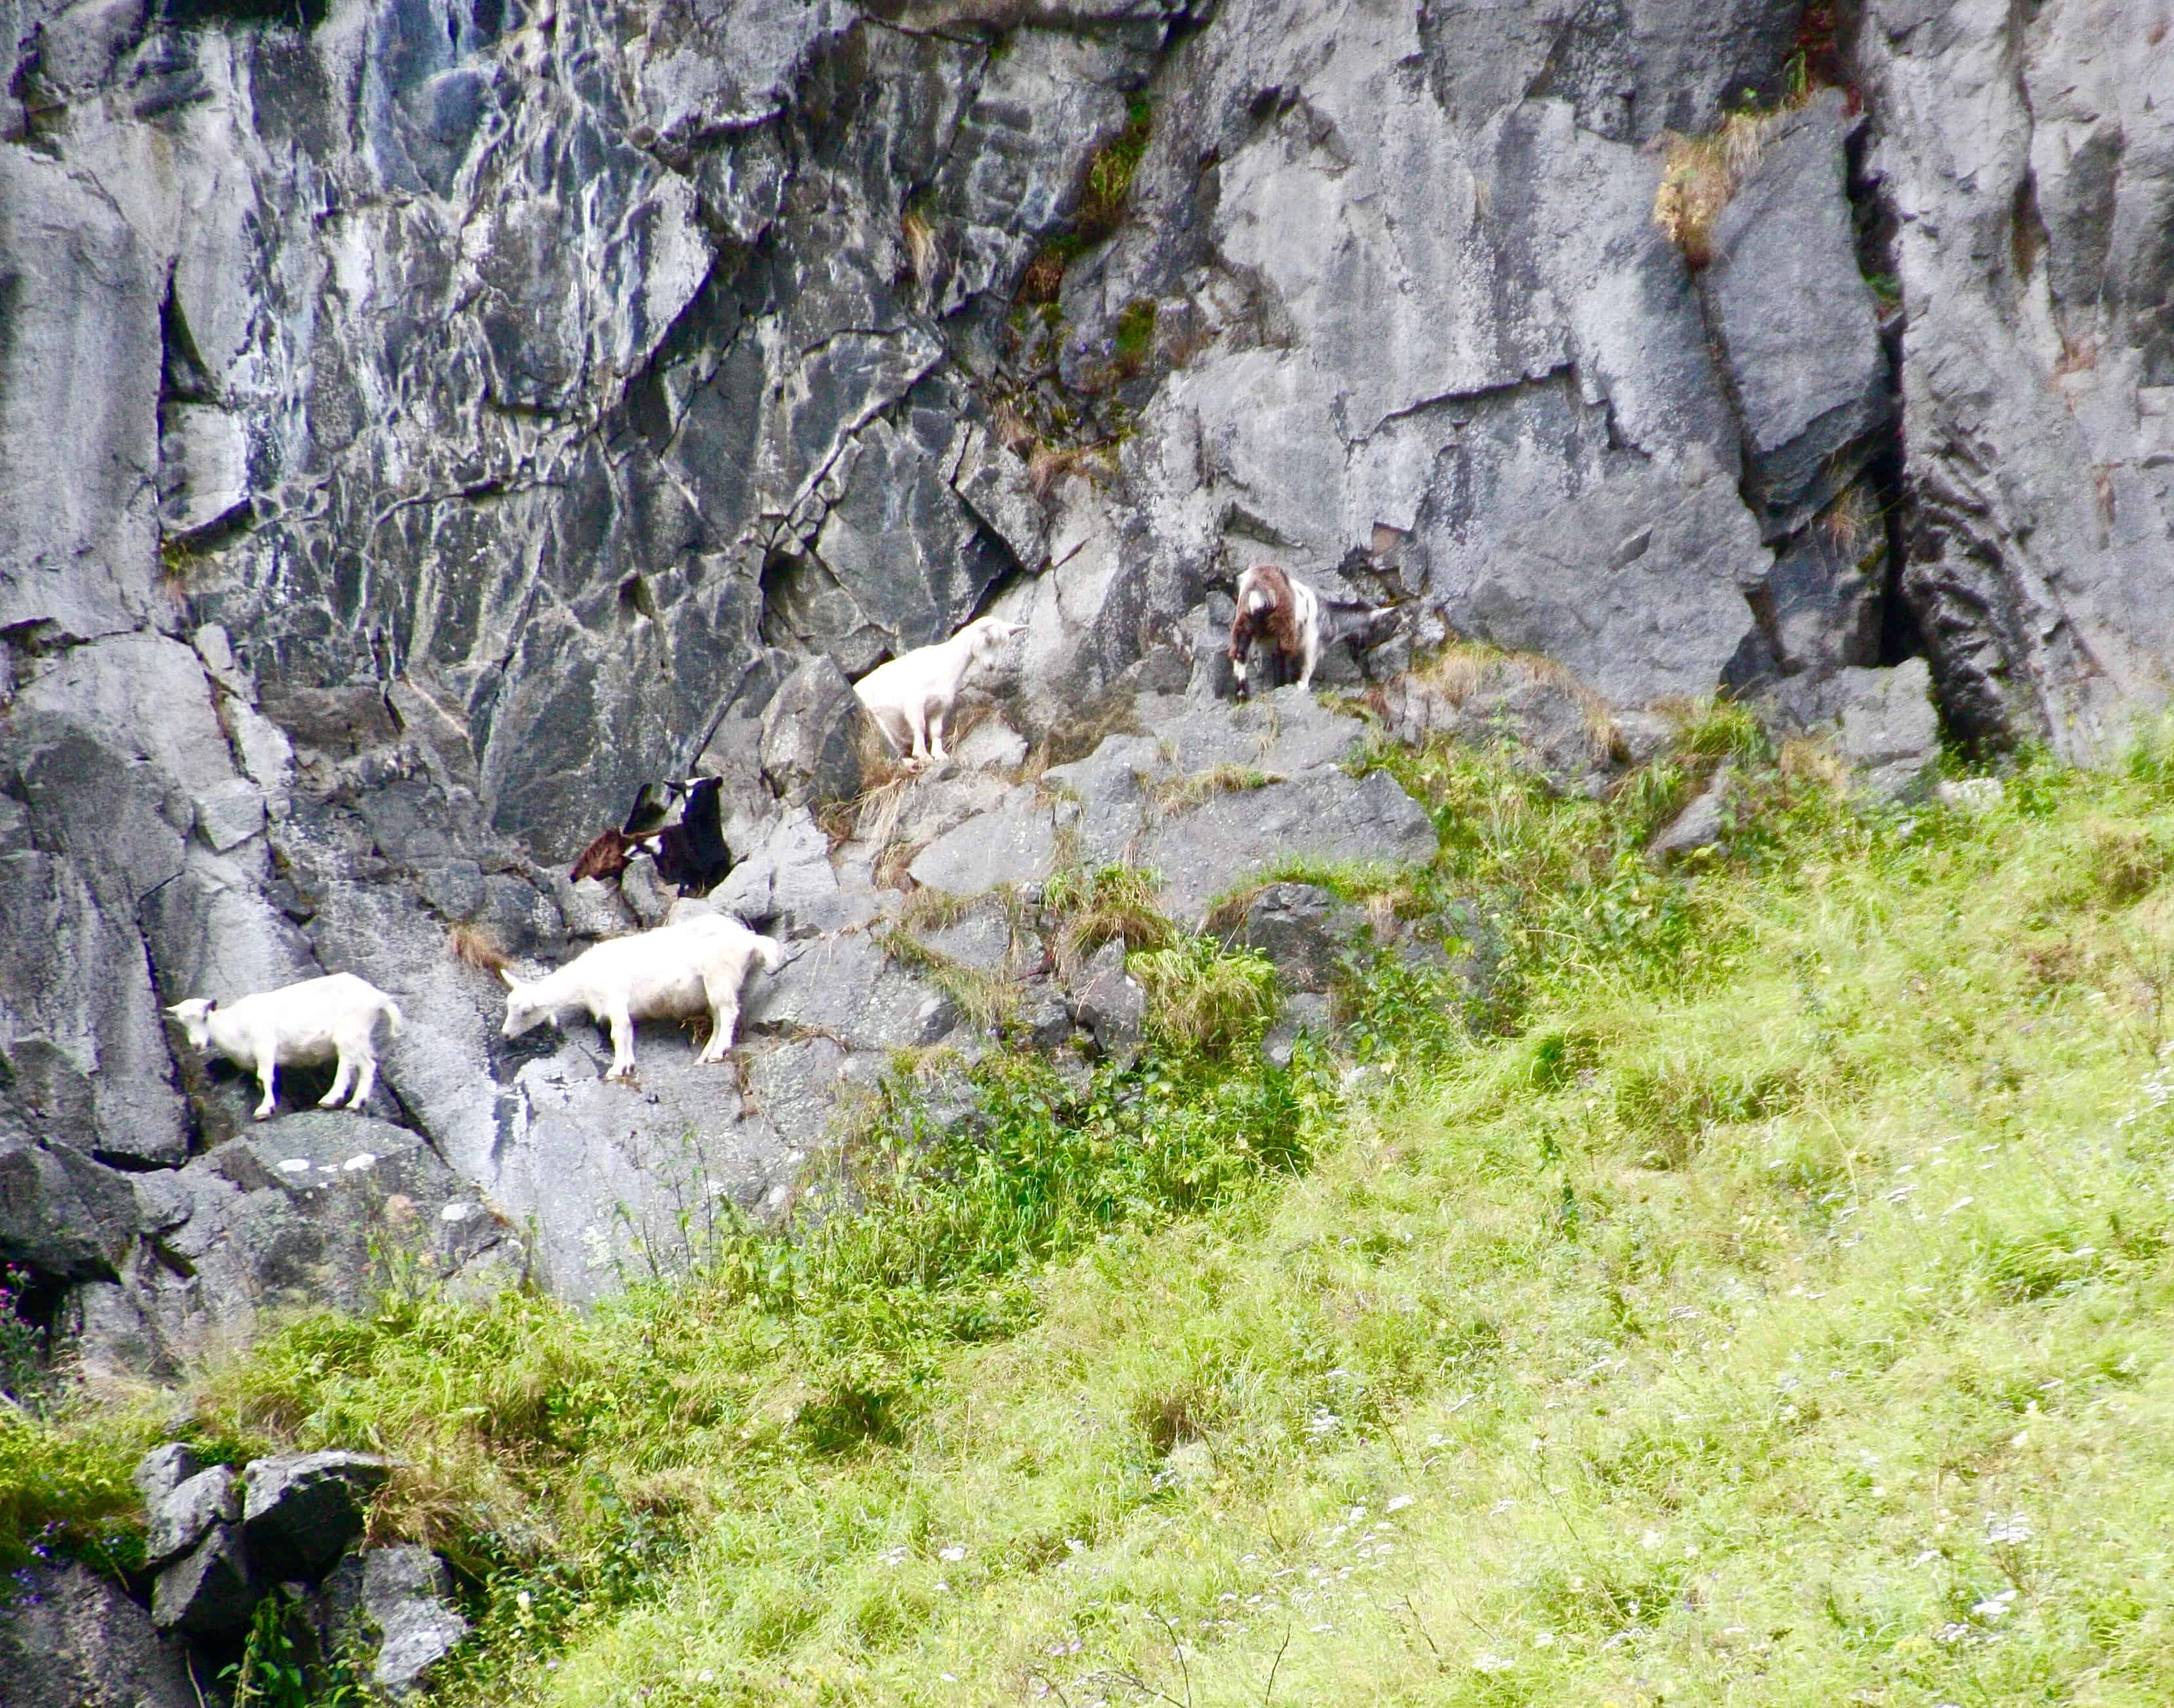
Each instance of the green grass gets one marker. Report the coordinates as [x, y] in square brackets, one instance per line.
[1762, 1296]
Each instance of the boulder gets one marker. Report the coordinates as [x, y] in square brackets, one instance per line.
[71, 1639]
[60, 1213]
[1795, 322]
[388, 1611]
[1320, 815]
[813, 731]
[1882, 722]
[207, 1593]
[181, 1518]
[303, 1509]
[1109, 1002]
[1302, 1015]
[1306, 930]
[1701, 825]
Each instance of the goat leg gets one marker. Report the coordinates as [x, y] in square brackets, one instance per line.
[267, 1075]
[342, 1079]
[622, 1037]
[364, 1081]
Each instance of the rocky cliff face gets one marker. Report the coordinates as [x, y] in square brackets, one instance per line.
[420, 423]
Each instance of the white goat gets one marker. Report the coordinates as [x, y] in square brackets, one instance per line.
[911, 696]
[671, 973]
[298, 1025]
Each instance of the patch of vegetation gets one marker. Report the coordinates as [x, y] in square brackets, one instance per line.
[1175, 795]
[1135, 338]
[1203, 998]
[1105, 187]
[1768, 1301]
[1112, 904]
[987, 999]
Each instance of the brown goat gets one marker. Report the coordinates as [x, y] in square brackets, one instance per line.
[1285, 612]
[605, 857]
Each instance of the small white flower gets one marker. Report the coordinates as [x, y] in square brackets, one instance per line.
[706, 1676]
[2008, 1532]
[894, 1556]
[1927, 1558]
[1651, 1539]
[948, 1677]
[1323, 1423]
[1398, 1502]
[1074, 1545]
[1492, 1663]
[1499, 1507]
[1543, 1639]
[956, 1553]
[1994, 1607]
[943, 1585]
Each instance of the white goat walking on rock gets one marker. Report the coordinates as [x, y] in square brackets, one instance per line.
[910, 697]
[672, 973]
[297, 1025]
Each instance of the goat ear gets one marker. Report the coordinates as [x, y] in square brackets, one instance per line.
[210, 1003]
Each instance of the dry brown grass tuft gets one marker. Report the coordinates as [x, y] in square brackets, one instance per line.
[1699, 175]
[1175, 795]
[478, 946]
[917, 235]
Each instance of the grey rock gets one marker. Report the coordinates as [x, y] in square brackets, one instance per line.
[162, 1470]
[1701, 825]
[1823, 602]
[209, 1593]
[61, 1213]
[786, 886]
[1304, 929]
[302, 1510]
[1664, 614]
[388, 1609]
[180, 1519]
[1543, 719]
[71, 1639]
[78, 377]
[229, 812]
[813, 732]
[980, 938]
[1795, 320]
[1883, 723]
[2025, 158]
[1109, 1002]
[1015, 844]
[844, 987]
[303, 1213]
[1302, 1015]
[1322, 815]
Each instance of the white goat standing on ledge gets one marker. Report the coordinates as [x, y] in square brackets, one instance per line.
[671, 973]
[912, 696]
[297, 1026]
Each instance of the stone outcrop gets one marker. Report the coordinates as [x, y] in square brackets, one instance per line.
[71, 1639]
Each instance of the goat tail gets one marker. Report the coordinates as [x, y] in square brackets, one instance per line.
[396, 1023]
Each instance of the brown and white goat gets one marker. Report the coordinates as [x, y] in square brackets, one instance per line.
[1286, 613]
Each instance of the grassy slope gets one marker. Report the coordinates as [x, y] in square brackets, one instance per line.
[1774, 1313]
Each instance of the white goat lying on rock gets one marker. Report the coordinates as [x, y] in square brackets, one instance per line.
[911, 696]
[672, 973]
[297, 1026]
